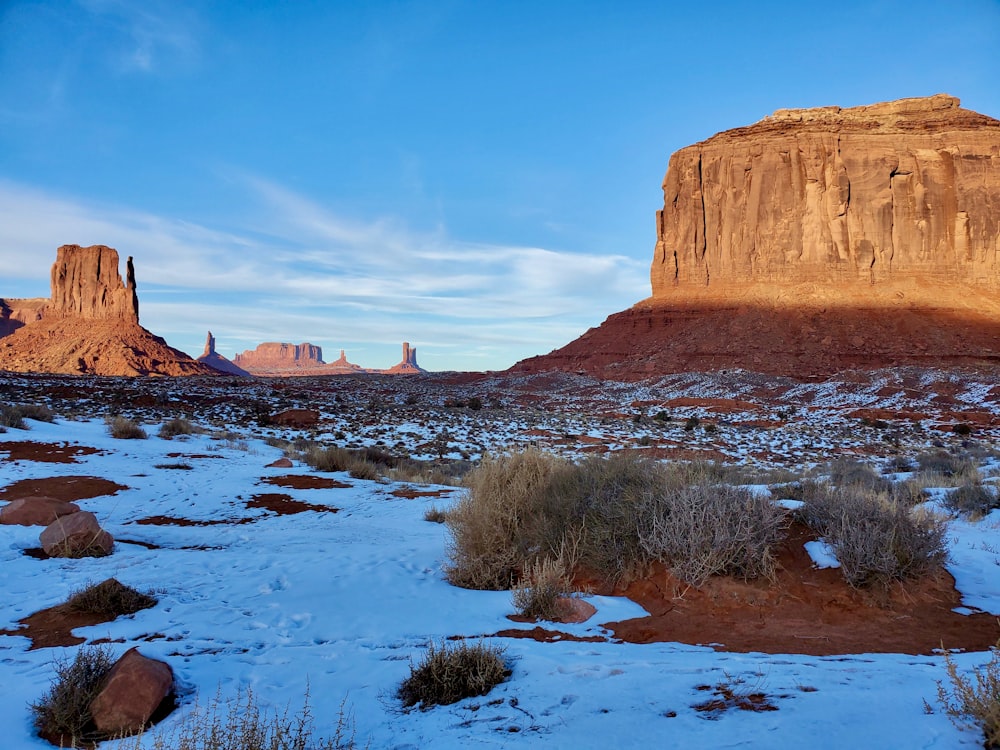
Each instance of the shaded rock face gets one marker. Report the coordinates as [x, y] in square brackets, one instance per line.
[86, 284]
[89, 326]
[133, 691]
[818, 240]
[216, 361]
[272, 355]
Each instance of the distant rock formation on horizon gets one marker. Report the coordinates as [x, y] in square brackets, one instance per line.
[408, 365]
[274, 355]
[818, 240]
[89, 325]
[216, 361]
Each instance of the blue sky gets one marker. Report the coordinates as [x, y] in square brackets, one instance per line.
[477, 178]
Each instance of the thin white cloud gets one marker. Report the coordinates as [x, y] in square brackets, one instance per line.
[150, 33]
[305, 273]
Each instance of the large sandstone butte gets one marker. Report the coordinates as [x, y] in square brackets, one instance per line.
[408, 365]
[90, 325]
[818, 240]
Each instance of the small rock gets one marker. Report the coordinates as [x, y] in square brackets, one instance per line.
[36, 511]
[281, 463]
[572, 609]
[135, 687]
[76, 535]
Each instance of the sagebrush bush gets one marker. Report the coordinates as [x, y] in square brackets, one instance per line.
[435, 515]
[541, 587]
[124, 428]
[448, 673]
[179, 426]
[877, 539]
[848, 472]
[701, 531]
[946, 469]
[240, 723]
[971, 499]
[63, 714]
[10, 416]
[110, 597]
[612, 516]
[974, 700]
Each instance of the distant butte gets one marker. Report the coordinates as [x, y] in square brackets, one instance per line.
[277, 359]
[814, 241]
[216, 361]
[89, 325]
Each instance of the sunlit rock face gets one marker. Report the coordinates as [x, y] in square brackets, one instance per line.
[894, 192]
[818, 240]
[272, 355]
[86, 284]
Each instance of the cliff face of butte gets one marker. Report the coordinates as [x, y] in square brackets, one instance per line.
[817, 240]
[216, 361]
[90, 325]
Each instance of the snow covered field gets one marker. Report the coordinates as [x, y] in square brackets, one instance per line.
[341, 601]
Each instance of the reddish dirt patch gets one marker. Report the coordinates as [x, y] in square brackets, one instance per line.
[177, 521]
[729, 696]
[412, 494]
[192, 455]
[305, 482]
[547, 636]
[284, 505]
[61, 488]
[50, 453]
[53, 626]
[806, 611]
[719, 405]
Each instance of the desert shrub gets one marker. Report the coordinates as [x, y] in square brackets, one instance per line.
[328, 459]
[971, 499]
[10, 416]
[240, 723]
[435, 515]
[361, 469]
[543, 584]
[490, 524]
[847, 472]
[974, 700]
[448, 673]
[110, 597]
[179, 426]
[691, 423]
[124, 428]
[940, 463]
[63, 714]
[876, 538]
[962, 428]
[38, 412]
[705, 530]
[612, 516]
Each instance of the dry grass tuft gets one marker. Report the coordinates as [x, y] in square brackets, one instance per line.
[449, 673]
[110, 597]
[124, 428]
[240, 723]
[971, 499]
[543, 584]
[179, 426]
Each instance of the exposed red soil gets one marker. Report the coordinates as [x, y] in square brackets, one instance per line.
[720, 405]
[284, 505]
[806, 611]
[61, 488]
[411, 494]
[305, 482]
[53, 626]
[543, 635]
[178, 521]
[51, 453]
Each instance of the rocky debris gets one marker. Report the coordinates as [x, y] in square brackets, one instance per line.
[300, 419]
[408, 363]
[817, 240]
[216, 361]
[76, 535]
[134, 689]
[89, 326]
[273, 355]
[36, 511]
[86, 284]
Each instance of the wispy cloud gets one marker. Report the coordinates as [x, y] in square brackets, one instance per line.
[304, 273]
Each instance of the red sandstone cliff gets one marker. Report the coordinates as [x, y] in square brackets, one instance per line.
[274, 357]
[816, 240]
[89, 325]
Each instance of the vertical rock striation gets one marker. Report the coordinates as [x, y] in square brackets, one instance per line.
[86, 284]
